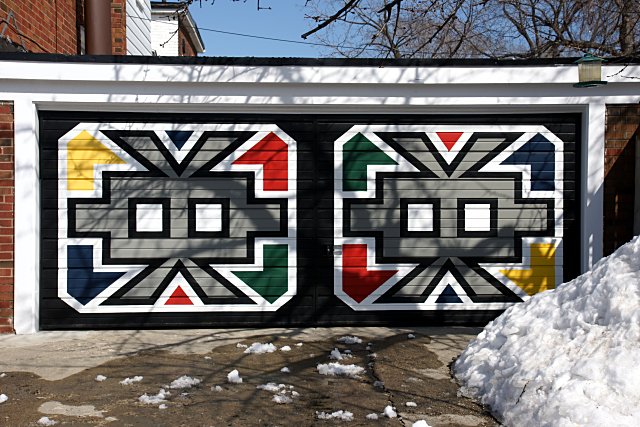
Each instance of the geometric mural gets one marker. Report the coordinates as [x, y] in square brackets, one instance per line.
[161, 217]
[432, 217]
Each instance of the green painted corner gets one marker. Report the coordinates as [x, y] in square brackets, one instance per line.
[273, 281]
[357, 154]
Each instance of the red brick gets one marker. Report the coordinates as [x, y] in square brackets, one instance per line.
[6, 330]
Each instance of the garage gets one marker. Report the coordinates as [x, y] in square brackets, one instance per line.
[230, 220]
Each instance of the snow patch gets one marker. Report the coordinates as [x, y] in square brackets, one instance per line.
[389, 412]
[338, 415]
[185, 382]
[3, 398]
[129, 381]
[234, 377]
[568, 356]
[207, 358]
[100, 378]
[260, 348]
[2, 375]
[217, 388]
[349, 340]
[154, 399]
[410, 336]
[337, 369]
[372, 416]
[282, 399]
[272, 387]
[299, 344]
[411, 404]
[285, 370]
[240, 345]
[336, 355]
[285, 348]
[163, 406]
[420, 423]
[46, 421]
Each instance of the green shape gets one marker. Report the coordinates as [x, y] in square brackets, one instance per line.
[273, 281]
[357, 154]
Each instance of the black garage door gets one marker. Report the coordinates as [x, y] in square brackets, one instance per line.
[236, 220]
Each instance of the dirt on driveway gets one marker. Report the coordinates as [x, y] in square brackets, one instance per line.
[410, 374]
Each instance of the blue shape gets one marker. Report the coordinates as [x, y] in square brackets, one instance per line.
[448, 296]
[83, 283]
[539, 153]
[179, 137]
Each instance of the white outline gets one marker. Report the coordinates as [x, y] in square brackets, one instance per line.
[368, 304]
[94, 306]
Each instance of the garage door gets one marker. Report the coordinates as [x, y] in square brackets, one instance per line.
[245, 220]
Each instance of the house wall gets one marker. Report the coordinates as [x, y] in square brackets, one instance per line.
[164, 35]
[119, 27]
[138, 27]
[6, 216]
[51, 25]
[621, 145]
[185, 45]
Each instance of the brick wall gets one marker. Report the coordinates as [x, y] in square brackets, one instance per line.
[621, 134]
[52, 24]
[119, 27]
[185, 46]
[6, 216]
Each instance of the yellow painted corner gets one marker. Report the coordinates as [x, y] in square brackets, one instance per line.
[83, 153]
[542, 272]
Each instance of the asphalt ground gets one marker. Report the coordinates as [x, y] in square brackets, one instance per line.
[53, 375]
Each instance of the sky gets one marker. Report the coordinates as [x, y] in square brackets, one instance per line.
[285, 20]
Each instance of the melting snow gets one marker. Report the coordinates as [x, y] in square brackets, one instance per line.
[350, 340]
[389, 412]
[46, 421]
[285, 348]
[299, 344]
[259, 348]
[420, 423]
[217, 388]
[234, 377]
[100, 378]
[410, 336]
[566, 357]
[185, 382]
[336, 355]
[337, 369]
[163, 406]
[285, 370]
[2, 375]
[156, 399]
[372, 416]
[282, 399]
[3, 398]
[378, 384]
[129, 381]
[240, 345]
[272, 387]
[339, 415]
[411, 404]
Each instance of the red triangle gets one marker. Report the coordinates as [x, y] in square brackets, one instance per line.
[178, 297]
[357, 281]
[449, 139]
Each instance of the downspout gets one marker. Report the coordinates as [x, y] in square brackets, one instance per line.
[97, 18]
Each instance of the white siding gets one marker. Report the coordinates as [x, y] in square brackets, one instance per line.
[164, 36]
[138, 27]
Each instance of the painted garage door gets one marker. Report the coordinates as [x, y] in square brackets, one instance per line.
[247, 220]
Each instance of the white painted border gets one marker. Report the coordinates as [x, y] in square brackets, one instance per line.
[34, 86]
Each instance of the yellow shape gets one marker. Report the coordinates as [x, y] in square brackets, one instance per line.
[542, 272]
[83, 153]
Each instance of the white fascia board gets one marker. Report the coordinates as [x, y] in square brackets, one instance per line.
[562, 74]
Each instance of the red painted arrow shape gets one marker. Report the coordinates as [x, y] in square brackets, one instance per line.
[271, 153]
[357, 281]
[449, 139]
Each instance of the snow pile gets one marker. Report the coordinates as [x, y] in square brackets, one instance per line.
[282, 399]
[234, 377]
[155, 399]
[185, 382]
[259, 348]
[46, 421]
[285, 348]
[411, 404]
[217, 388]
[420, 423]
[337, 415]
[337, 369]
[2, 375]
[336, 355]
[285, 370]
[129, 381]
[410, 336]
[299, 344]
[162, 406]
[100, 378]
[349, 340]
[389, 412]
[3, 398]
[565, 357]
[372, 416]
